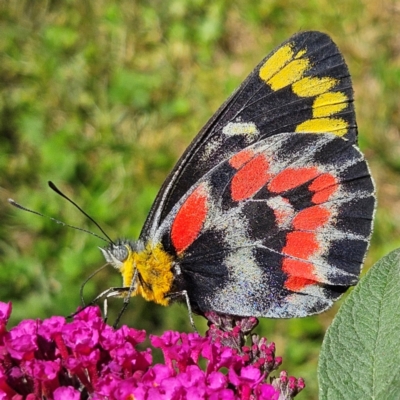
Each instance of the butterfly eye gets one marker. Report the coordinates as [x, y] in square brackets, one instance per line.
[116, 254]
[120, 252]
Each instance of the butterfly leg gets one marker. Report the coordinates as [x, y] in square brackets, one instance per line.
[183, 293]
[127, 297]
[110, 292]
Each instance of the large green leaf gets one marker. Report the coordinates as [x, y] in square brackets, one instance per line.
[360, 356]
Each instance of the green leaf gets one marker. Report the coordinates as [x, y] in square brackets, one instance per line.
[360, 356]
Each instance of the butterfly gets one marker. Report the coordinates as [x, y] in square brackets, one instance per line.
[269, 211]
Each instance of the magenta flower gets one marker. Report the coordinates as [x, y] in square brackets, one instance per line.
[87, 359]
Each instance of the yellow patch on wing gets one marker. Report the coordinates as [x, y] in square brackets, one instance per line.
[313, 86]
[328, 104]
[276, 62]
[337, 126]
[289, 74]
[324, 108]
[154, 266]
[284, 67]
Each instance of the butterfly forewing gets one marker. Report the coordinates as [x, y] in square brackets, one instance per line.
[302, 86]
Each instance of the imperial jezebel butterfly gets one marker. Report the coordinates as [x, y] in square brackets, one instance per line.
[269, 211]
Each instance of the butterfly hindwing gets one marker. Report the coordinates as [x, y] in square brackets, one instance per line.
[302, 86]
[279, 229]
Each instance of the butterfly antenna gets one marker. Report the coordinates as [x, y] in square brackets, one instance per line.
[59, 192]
[15, 204]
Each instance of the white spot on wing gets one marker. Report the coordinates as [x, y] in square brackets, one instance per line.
[247, 129]
[283, 210]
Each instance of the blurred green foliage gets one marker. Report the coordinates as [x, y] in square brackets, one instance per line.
[102, 98]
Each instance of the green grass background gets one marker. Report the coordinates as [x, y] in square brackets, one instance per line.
[102, 97]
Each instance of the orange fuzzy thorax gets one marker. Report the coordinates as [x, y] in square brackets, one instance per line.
[154, 266]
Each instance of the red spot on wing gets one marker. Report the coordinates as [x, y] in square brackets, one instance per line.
[189, 219]
[290, 178]
[250, 178]
[241, 158]
[296, 284]
[311, 218]
[300, 244]
[323, 186]
[300, 274]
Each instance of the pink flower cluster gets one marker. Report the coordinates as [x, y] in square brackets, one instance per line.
[88, 359]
